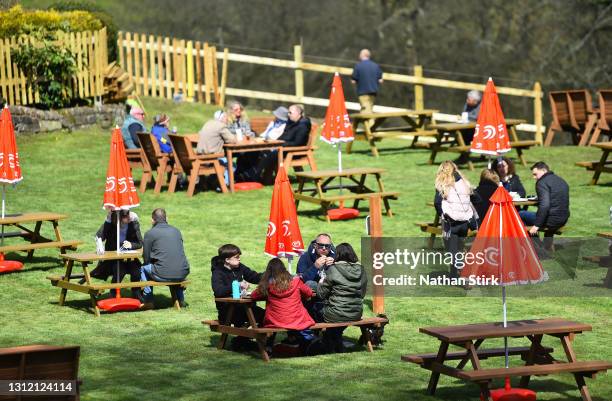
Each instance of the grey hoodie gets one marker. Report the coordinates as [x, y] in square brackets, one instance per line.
[343, 290]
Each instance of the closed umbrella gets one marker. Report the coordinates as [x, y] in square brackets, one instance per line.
[337, 129]
[120, 194]
[508, 255]
[283, 239]
[10, 173]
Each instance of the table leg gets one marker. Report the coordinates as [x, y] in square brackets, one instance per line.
[58, 234]
[280, 157]
[251, 316]
[600, 167]
[464, 361]
[360, 189]
[300, 189]
[485, 392]
[35, 238]
[66, 277]
[349, 145]
[227, 322]
[473, 354]
[230, 169]
[535, 346]
[94, 305]
[521, 156]
[571, 357]
[367, 124]
[432, 236]
[435, 376]
[435, 147]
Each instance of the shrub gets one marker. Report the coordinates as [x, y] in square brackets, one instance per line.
[48, 67]
[17, 21]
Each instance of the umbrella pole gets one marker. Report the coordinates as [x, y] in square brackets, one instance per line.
[289, 260]
[3, 200]
[118, 293]
[505, 325]
[340, 170]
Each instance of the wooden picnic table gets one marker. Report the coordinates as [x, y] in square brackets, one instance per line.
[354, 187]
[538, 359]
[373, 131]
[449, 138]
[245, 146]
[34, 239]
[603, 165]
[95, 290]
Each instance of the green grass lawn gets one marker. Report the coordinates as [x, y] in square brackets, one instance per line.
[168, 355]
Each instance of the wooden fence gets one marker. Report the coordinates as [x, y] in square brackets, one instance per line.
[91, 53]
[163, 67]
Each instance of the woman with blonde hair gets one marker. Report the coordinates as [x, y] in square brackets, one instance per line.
[237, 120]
[452, 202]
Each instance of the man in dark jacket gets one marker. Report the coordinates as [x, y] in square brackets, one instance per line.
[226, 268]
[367, 75]
[553, 202]
[320, 254]
[164, 257]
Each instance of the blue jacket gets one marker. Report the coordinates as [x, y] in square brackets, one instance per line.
[366, 73]
[131, 126]
[306, 267]
[161, 133]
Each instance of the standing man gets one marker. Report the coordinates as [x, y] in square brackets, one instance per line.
[368, 76]
[164, 257]
[553, 203]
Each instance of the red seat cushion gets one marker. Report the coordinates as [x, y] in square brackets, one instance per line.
[119, 304]
[7, 266]
[247, 186]
[342, 213]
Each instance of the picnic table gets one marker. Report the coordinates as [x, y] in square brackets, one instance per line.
[449, 138]
[261, 334]
[538, 359]
[95, 290]
[32, 236]
[603, 165]
[245, 146]
[373, 131]
[354, 187]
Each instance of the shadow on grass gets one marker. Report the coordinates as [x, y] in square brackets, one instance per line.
[84, 305]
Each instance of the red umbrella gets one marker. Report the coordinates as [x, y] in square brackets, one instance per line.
[490, 136]
[120, 193]
[10, 173]
[508, 256]
[337, 129]
[283, 238]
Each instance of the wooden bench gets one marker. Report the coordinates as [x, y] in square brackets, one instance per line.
[137, 160]
[427, 359]
[261, 334]
[582, 368]
[62, 245]
[41, 362]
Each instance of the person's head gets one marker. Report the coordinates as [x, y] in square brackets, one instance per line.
[230, 255]
[235, 109]
[473, 98]
[539, 169]
[296, 112]
[323, 244]
[346, 253]
[504, 167]
[158, 216]
[162, 119]
[281, 113]
[137, 113]
[445, 178]
[220, 115]
[364, 54]
[489, 175]
[124, 216]
[275, 275]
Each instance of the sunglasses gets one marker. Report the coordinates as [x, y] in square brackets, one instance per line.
[325, 246]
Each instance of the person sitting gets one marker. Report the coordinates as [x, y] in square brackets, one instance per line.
[284, 308]
[160, 131]
[226, 268]
[132, 125]
[342, 290]
[472, 105]
[163, 257]
[489, 182]
[276, 127]
[553, 203]
[213, 135]
[505, 169]
[130, 238]
[237, 120]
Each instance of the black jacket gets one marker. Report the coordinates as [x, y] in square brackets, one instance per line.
[222, 278]
[108, 233]
[553, 201]
[163, 248]
[514, 185]
[296, 133]
[481, 196]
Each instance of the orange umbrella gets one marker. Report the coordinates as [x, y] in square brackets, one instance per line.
[337, 129]
[490, 136]
[120, 193]
[503, 251]
[10, 173]
[283, 238]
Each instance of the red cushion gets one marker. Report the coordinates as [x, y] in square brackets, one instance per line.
[342, 213]
[7, 266]
[247, 186]
[119, 304]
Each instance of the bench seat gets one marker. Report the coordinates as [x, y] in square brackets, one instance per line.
[349, 196]
[425, 359]
[594, 164]
[107, 286]
[584, 368]
[71, 244]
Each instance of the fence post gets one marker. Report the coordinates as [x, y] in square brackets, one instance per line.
[419, 103]
[207, 74]
[223, 77]
[190, 92]
[376, 232]
[537, 111]
[299, 73]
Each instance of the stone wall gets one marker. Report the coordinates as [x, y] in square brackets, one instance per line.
[30, 120]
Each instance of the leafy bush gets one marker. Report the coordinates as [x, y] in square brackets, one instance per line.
[99, 13]
[17, 21]
[48, 67]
